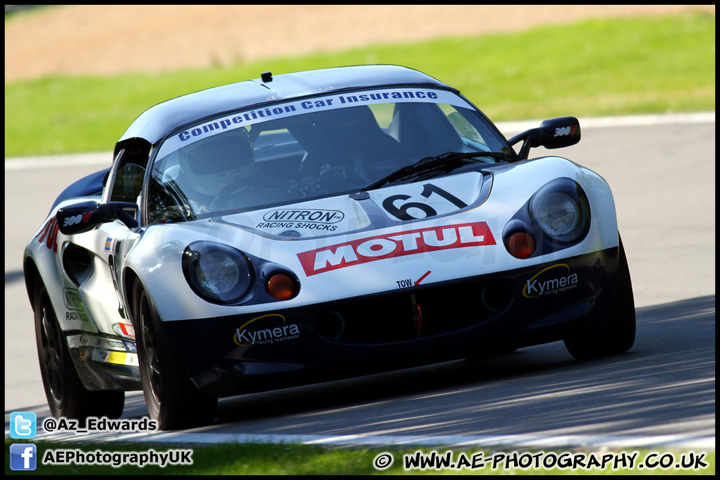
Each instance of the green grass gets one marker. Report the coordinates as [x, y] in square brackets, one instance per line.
[596, 67]
[274, 459]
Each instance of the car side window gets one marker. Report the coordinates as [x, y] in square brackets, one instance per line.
[129, 176]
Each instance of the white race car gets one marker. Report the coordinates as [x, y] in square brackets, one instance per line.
[317, 225]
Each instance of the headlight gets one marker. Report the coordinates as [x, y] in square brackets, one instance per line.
[561, 210]
[218, 273]
[556, 213]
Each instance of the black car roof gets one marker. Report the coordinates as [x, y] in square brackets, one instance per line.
[159, 120]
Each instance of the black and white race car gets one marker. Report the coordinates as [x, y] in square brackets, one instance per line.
[317, 225]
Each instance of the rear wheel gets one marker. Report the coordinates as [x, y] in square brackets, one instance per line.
[66, 395]
[171, 397]
[617, 333]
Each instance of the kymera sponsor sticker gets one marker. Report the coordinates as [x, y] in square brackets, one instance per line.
[266, 330]
[552, 280]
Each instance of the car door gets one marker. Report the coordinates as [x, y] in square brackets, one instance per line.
[101, 290]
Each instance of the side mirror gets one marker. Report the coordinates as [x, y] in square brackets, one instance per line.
[84, 216]
[558, 133]
[554, 133]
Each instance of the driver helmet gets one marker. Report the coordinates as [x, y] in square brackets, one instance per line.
[211, 164]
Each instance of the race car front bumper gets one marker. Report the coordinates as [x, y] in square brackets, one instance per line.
[412, 326]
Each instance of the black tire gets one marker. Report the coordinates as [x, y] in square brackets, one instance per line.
[171, 397]
[617, 333]
[66, 395]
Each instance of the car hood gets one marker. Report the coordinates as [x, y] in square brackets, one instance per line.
[358, 245]
[365, 210]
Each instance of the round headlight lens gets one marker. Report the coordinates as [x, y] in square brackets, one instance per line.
[556, 213]
[217, 272]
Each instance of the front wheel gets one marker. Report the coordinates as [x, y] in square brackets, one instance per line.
[66, 395]
[171, 397]
[617, 334]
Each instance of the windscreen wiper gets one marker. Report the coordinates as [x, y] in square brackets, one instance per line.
[439, 164]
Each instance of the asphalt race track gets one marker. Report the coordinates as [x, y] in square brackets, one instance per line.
[662, 392]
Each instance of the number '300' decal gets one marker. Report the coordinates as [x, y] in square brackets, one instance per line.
[402, 210]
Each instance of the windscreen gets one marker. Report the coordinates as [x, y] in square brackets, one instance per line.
[310, 148]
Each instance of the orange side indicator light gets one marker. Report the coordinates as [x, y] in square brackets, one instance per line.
[281, 286]
[521, 245]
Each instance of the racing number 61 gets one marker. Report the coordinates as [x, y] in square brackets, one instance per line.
[402, 211]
